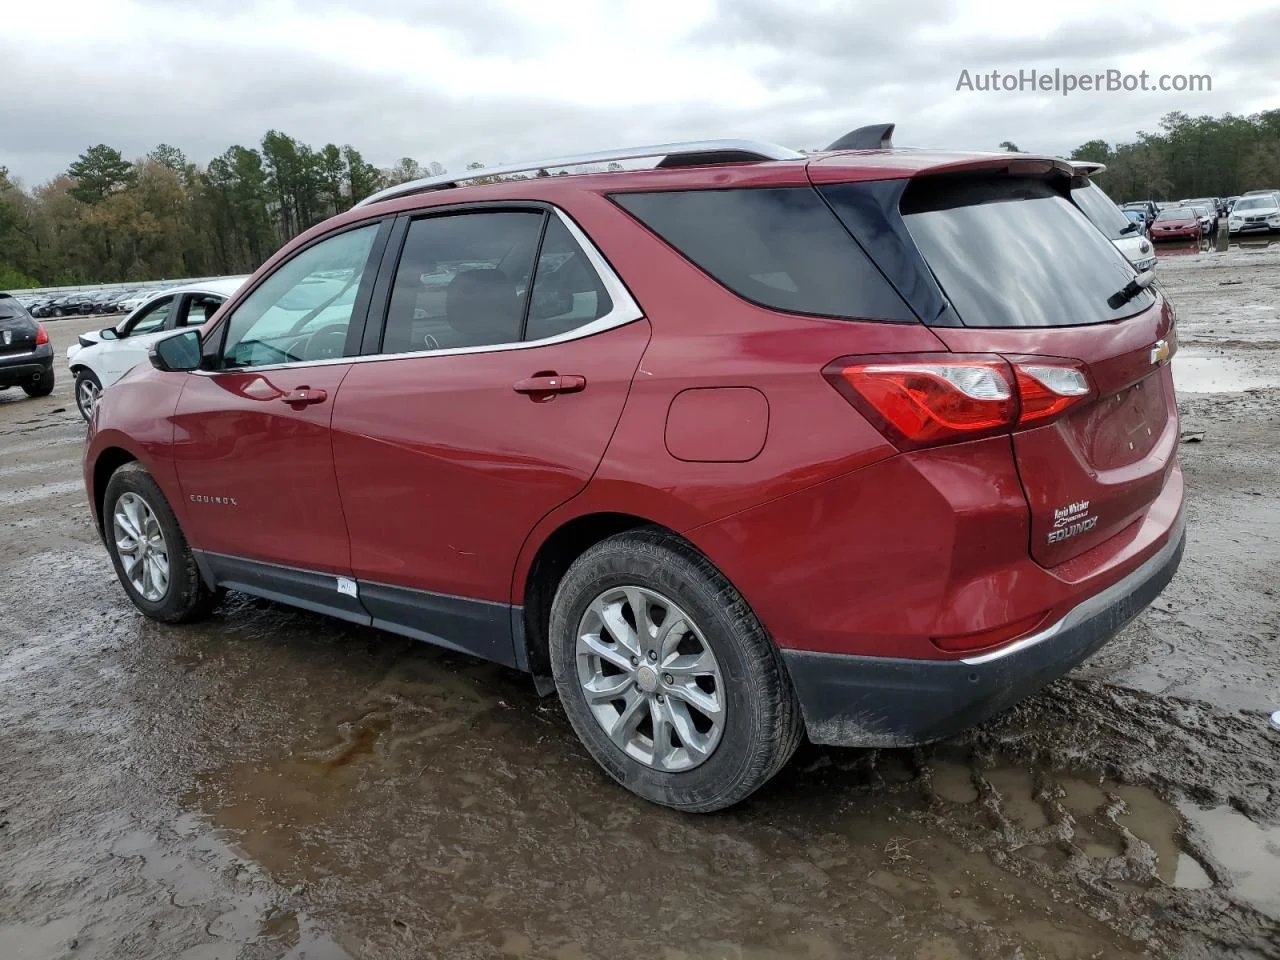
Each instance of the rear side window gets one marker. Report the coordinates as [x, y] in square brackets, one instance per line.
[778, 247]
[567, 291]
[1013, 252]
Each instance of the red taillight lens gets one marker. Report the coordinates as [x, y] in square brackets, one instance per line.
[42, 335]
[924, 400]
[1047, 389]
[932, 398]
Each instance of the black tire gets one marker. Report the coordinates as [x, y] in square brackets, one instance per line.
[762, 721]
[39, 388]
[85, 376]
[187, 597]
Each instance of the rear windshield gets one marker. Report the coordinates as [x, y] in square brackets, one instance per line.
[1013, 252]
[10, 308]
[1097, 206]
[781, 248]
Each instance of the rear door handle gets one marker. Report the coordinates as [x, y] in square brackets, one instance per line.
[551, 383]
[301, 396]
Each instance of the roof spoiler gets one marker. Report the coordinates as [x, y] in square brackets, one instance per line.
[877, 136]
[1087, 168]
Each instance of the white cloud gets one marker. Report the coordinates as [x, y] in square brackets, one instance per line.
[495, 80]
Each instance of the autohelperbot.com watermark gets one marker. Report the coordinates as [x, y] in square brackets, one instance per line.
[1065, 83]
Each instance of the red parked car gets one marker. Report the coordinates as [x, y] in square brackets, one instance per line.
[1176, 223]
[869, 444]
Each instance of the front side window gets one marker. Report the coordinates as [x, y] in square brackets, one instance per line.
[462, 281]
[302, 311]
[152, 318]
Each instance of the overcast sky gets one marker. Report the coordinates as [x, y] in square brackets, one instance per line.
[505, 80]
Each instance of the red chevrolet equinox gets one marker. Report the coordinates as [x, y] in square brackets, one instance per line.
[865, 445]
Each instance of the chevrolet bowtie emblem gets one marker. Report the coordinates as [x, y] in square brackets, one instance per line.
[1160, 352]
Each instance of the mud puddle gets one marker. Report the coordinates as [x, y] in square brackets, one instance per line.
[1200, 374]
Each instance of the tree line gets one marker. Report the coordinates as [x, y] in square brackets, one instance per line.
[1191, 157]
[109, 219]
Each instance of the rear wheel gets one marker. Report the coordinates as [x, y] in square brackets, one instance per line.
[152, 558]
[666, 675]
[88, 389]
[39, 388]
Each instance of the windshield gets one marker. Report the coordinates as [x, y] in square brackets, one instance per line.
[1014, 252]
[1097, 206]
[1254, 203]
[1168, 216]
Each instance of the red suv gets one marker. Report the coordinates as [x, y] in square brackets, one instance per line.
[867, 445]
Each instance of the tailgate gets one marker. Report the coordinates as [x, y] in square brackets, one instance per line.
[1031, 279]
[17, 335]
[1094, 472]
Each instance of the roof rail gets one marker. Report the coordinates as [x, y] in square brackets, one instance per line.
[685, 153]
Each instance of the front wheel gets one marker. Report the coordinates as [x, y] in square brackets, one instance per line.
[666, 675]
[151, 556]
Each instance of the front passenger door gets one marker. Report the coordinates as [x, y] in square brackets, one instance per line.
[252, 442]
[135, 336]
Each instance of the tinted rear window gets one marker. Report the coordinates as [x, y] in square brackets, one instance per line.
[778, 247]
[1013, 252]
[1097, 206]
[10, 308]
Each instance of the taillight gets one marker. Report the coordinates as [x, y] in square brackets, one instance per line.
[930, 399]
[42, 335]
[1047, 389]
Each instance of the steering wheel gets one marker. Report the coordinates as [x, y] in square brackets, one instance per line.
[327, 343]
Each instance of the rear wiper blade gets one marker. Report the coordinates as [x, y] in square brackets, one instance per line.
[1131, 289]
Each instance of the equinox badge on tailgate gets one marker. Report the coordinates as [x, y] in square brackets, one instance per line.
[1071, 521]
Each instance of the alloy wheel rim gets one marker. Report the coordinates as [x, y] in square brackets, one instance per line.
[651, 680]
[141, 546]
[88, 395]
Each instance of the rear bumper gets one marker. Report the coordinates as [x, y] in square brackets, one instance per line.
[861, 701]
[22, 368]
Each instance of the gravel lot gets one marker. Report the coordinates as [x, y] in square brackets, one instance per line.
[274, 784]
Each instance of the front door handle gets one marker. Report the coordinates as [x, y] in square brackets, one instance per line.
[301, 396]
[550, 383]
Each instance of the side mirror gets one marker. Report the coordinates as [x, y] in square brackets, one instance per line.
[178, 353]
[109, 334]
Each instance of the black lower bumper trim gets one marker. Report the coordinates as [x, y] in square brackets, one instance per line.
[859, 701]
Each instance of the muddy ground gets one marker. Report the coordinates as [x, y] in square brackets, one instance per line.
[274, 784]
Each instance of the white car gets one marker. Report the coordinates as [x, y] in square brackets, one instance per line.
[102, 358]
[1106, 216]
[1259, 211]
[140, 297]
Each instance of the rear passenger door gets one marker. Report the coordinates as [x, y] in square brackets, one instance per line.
[488, 399]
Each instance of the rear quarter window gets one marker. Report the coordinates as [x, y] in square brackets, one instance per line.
[780, 248]
[1014, 252]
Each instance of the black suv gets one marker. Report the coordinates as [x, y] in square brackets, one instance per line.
[26, 355]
